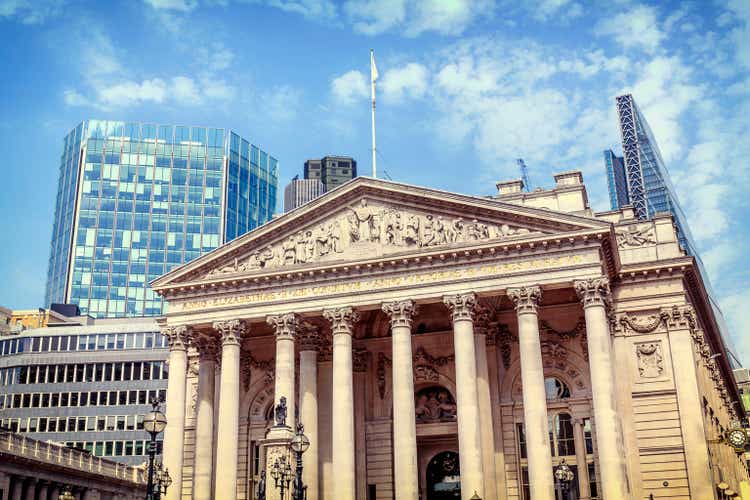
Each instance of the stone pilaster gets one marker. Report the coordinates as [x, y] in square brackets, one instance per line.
[342, 324]
[462, 309]
[595, 295]
[541, 483]
[229, 400]
[174, 434]
[405, 467]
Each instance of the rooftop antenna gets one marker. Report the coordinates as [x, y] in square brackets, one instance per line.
[524, 175]
[373, 77]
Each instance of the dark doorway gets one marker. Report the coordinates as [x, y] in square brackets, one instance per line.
[444, 477]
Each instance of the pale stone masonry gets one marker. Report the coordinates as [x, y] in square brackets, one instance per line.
[432, 342]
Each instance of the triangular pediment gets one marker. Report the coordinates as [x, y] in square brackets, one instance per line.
[368, 219]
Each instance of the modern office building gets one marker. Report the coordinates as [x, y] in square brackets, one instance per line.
[86, 385]
[332, 171]
[135, 200]
[300, 191]
[617, 182]
[640, 178]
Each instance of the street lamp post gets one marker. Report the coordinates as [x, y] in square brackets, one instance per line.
[154, 423]
[300, 444]
[281, 472]
[564, 477]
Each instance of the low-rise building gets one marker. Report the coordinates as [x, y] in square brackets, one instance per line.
[87, 384]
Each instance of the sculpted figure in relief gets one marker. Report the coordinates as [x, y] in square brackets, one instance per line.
[361, 222]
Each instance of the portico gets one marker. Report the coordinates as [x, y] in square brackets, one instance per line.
[428, 341]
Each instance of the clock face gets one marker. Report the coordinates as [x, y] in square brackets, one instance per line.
[737, 438]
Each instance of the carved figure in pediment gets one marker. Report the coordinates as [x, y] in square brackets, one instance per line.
[434, 404]
[428, 232]
[441, 238]
[455, 231]
[361, 222]
[300, 248]
[478, 231]
[289, 251]
[391, 227]
[412, 230]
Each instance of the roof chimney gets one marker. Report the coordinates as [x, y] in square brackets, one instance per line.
[509, 187]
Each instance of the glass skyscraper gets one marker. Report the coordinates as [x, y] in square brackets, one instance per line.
[135, 200]
[640, 177]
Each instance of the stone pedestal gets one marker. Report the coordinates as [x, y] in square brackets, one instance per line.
[276, 446]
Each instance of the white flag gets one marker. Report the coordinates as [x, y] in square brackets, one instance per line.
[373, 68]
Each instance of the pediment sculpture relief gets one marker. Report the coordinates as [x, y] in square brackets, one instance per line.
[368, 230]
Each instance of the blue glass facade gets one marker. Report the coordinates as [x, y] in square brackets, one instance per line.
[136, 200]
[649, 188]
[617, 182]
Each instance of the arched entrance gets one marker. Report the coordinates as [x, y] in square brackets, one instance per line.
[444, 477]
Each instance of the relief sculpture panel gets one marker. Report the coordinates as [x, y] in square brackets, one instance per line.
[371, 229]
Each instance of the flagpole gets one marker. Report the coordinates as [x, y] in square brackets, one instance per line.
[372, 88]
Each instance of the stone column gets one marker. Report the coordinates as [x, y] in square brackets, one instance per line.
[17, 488]
[594, 293]
[55, 493]
[285, 326]
[467, 399]
[30, 489]
[174, 433]
[5, 485]
[229, 408]
[208, 350]
[43, 492]
[481, 324]
[405, 466]
[342, 324]
[309, 341]
[535, 424]
[579, 438]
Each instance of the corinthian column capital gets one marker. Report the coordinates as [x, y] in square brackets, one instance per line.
[308, 336]
[178, 336]
[208, 347]
[284, 324]
[231, 331]
[593, 292]
[462, 305]
[526, 298]
[342, 319]
[400, 312]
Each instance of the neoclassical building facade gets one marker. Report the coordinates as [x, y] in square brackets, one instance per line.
[436, 345]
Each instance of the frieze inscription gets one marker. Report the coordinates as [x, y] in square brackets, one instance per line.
[377, 284]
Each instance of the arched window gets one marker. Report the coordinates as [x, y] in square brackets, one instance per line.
[561, 435]
[556, 389]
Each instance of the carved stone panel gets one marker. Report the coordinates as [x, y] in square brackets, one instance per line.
[635, 236]
[650, 360]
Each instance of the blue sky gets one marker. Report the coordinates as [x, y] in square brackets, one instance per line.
[466, 87]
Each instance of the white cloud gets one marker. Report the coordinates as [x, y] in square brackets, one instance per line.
[281, 104]
[545, 10]
[636, 28]
[30, 11]
[131, 93]
[410, 80]
[184, 89]
[740, 35]
[311, 9]
[414, 17]
[734, 307]
[74, 98]
[349, 87]
[176, 5]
